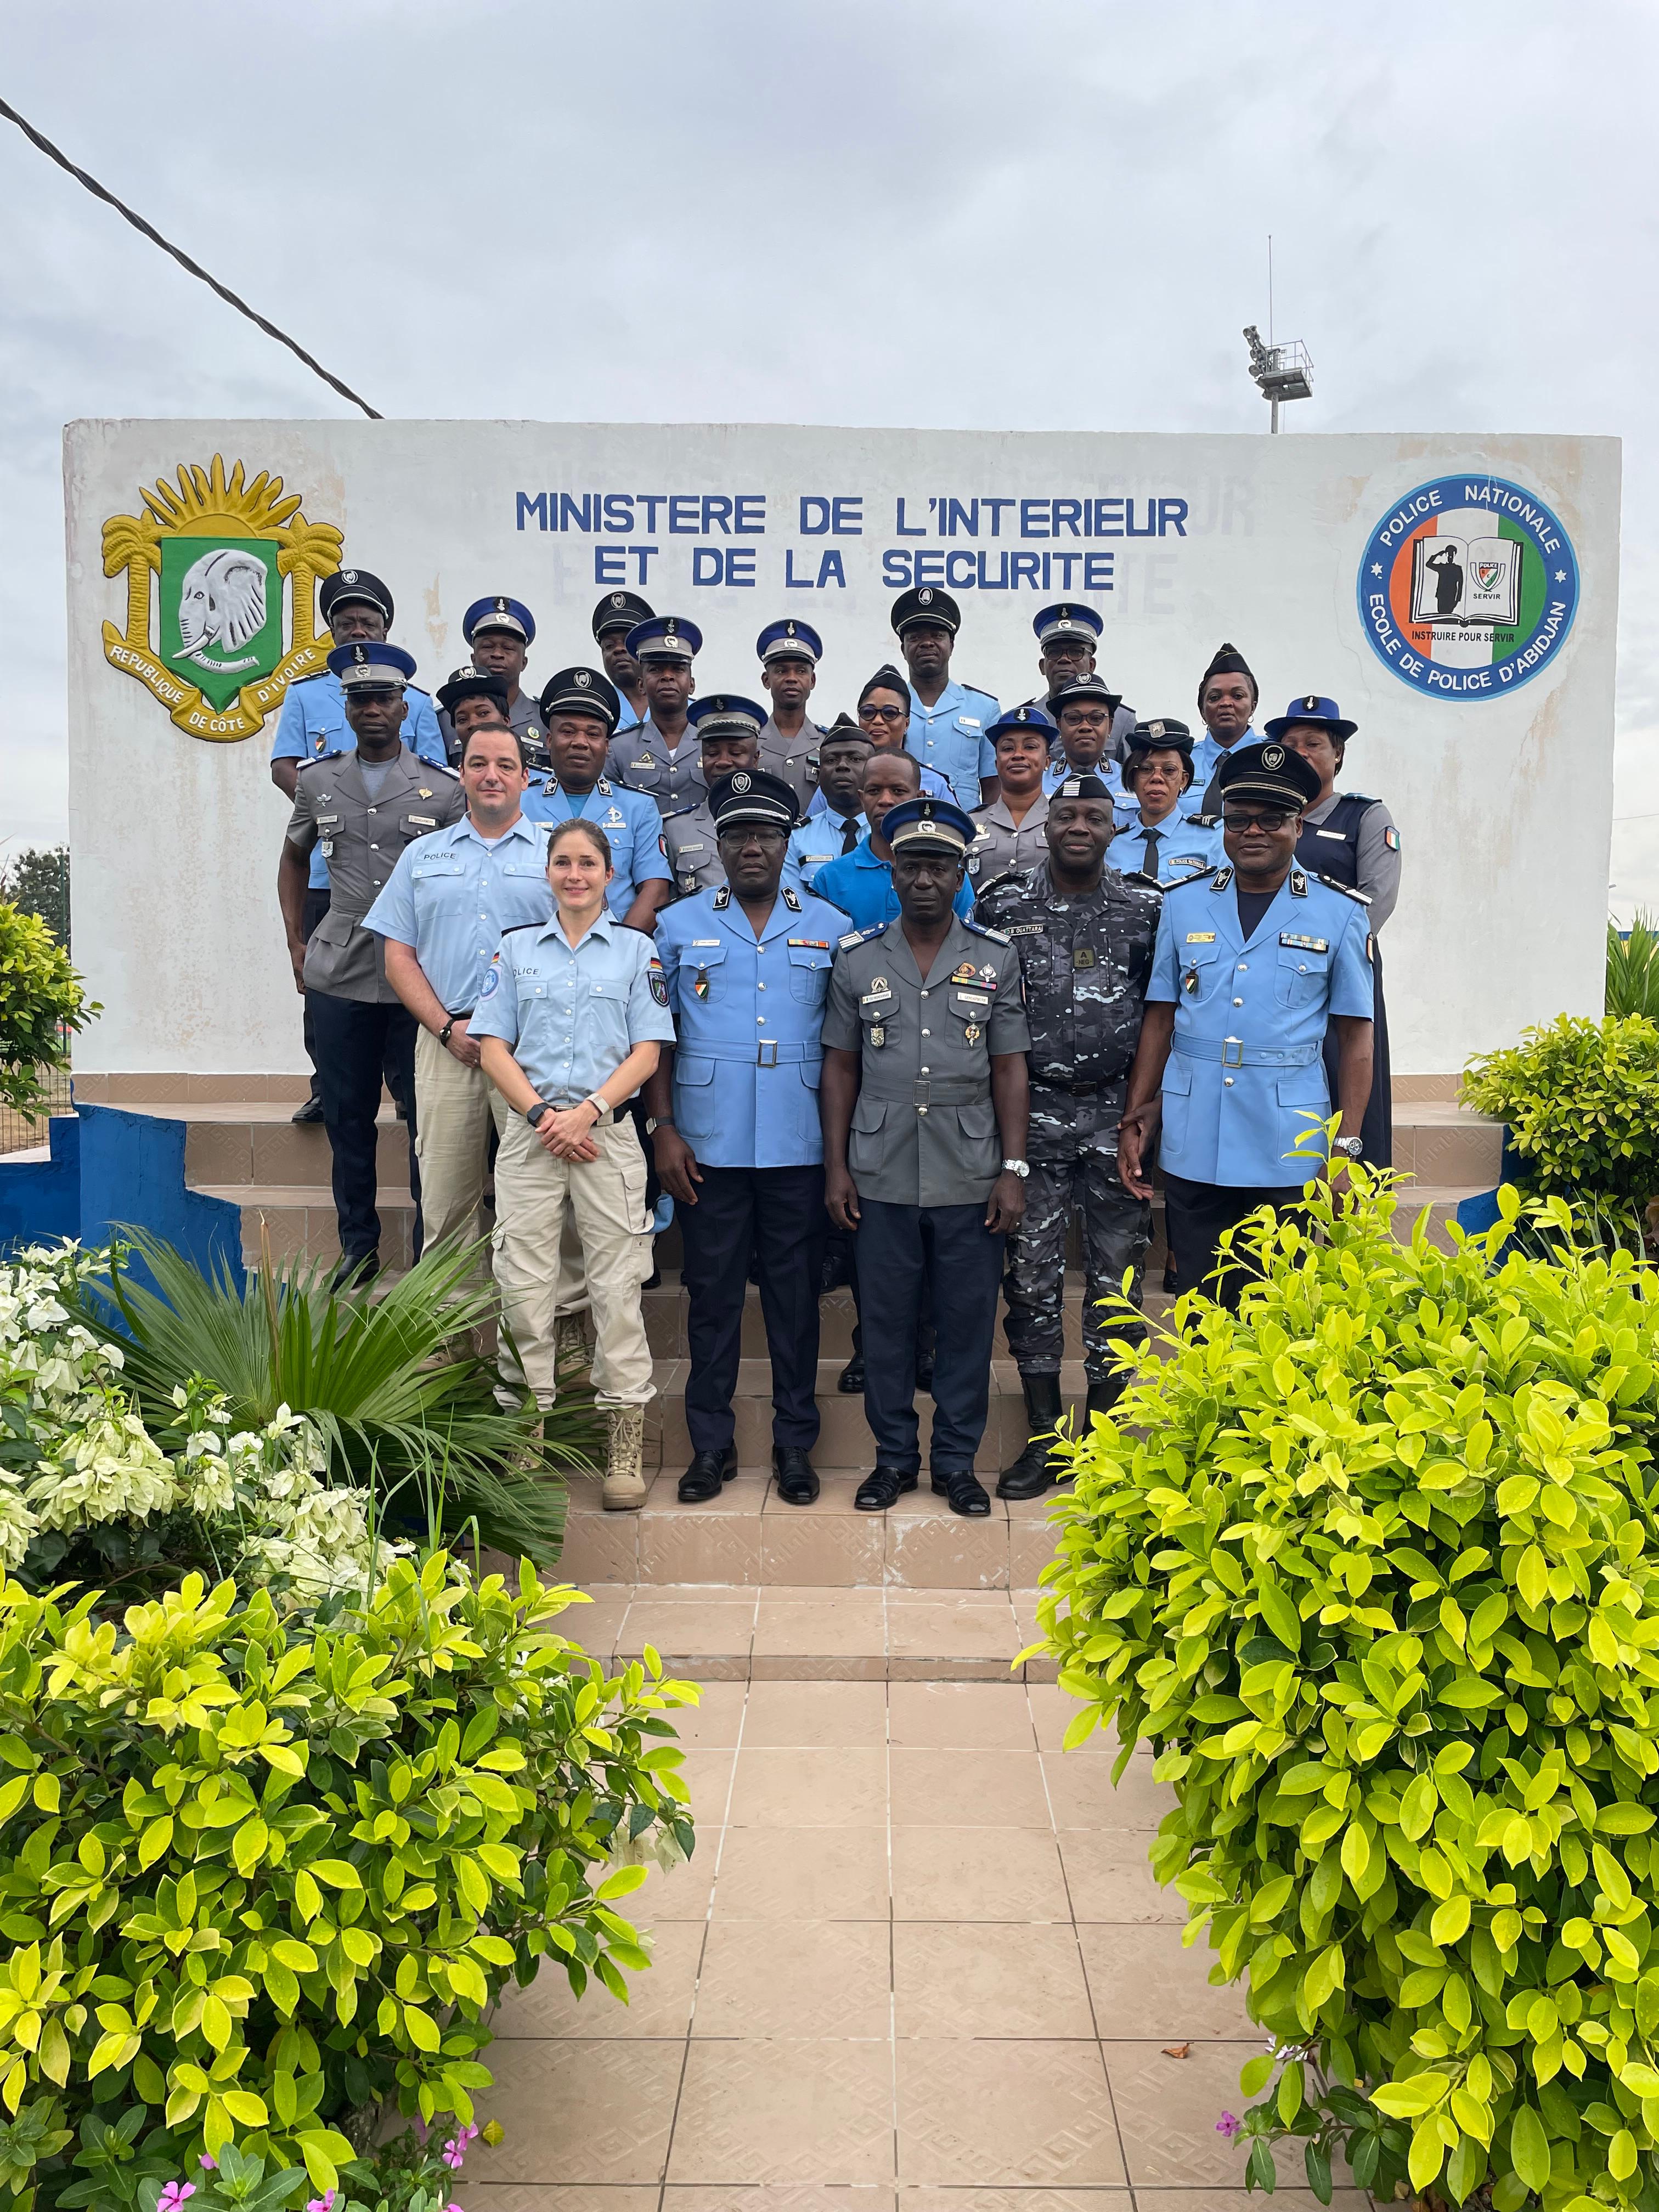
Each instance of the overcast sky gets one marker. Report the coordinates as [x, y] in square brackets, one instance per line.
[1038, 217]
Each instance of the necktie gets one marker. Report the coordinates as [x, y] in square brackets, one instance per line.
[1149, 865]
[849, 832]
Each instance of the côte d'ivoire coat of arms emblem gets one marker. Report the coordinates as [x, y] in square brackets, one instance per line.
[220, 547]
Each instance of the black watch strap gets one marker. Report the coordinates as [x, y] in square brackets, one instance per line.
[443, 1034]
[533, 1114]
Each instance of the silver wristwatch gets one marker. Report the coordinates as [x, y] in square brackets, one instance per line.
[1020, 1168]
[1351, 1148]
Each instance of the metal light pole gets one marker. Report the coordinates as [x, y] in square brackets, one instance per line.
[1281, 372]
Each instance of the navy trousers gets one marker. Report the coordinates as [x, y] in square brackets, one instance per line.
[356, 1042]
[1197, 1215]
[899, 1248]
[777, 1215]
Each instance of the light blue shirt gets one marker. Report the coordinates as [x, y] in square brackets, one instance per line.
[313, 722]
[861, 884]
[628, 719]
[933, 786]
[451, 895]
[629, 820]
[1109, 772]
[573, 1014]
[1182, 850]
[950, 737]
[1207, 757]
[814, 845]
[749, 1012]
[1245, 1077]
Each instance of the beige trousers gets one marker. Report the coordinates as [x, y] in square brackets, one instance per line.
[535, 1196]
[454, 1107]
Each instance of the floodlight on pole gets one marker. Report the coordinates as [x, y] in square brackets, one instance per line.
[1281, 372]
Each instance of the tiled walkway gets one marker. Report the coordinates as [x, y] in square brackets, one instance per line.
[918, 1963]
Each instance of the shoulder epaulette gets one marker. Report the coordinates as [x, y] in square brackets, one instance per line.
[674, 814]
[1203, 821]
[316, 760]
[1359, 898]
[858, 937]
[1200, 876]
[996, 936]
[996, 882]
[1149, 882]
[315, 677]
[438, 768]
[513, 929]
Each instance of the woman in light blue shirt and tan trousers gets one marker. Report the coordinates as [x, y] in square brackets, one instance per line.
[570, 1022]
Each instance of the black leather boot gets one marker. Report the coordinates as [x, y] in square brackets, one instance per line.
[1029, 1476]
[1103, 1396]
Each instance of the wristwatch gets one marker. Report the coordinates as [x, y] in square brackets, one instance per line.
[1020, 1168]
[1351, 1148]
[655, 1121]
[443, 1034]
[533, 1114]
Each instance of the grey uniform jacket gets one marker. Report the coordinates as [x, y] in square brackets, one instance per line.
[640, 759]
[924, 1128]
[1001, 846]
[692, 851]
[795, 759]
[360, 839]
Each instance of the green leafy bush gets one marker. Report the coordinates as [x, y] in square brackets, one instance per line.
[1632, 984]
[1374, 1565]
[402, 1401]
[42, 1001]
[265, 1881]
[1582, 1102]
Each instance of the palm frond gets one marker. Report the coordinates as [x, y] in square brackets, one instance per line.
[1633, 983]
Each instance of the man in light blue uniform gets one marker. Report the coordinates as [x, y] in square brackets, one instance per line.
[1162, 842]
[357, 608]
[579, 707]
[948, 720]
[441, 914]
[1253, 962]
[861, 882]
[835, 821]
[616, 614]
[734, 1123]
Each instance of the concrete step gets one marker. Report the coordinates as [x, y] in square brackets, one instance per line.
[1446, 1147]
[297, 1221]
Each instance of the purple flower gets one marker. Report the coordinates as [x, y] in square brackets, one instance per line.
[1229, 2124]
[454, 2156]
[209, 2164]
[325, 2203]
[175, 2195]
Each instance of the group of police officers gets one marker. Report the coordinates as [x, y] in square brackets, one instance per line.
[925, 984]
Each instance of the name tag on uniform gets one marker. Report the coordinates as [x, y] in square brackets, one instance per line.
[426, 821]
[1303, 944]
[1027, 929]
[697, 942]
[327, 821]
[873, 998]
[1201, 937]
[968, 722]
[973, 998]
[1337, 835]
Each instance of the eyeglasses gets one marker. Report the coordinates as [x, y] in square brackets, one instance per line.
[1270, 819]
[882, 714]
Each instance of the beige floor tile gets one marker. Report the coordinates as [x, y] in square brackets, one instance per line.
[803, 1873]
[658, 2003]
[685, 1633]
[934, 1551]
[696, 1593]
[797, 1982]
[598, 1546]
[922, 1628]
[826, 1545]
[1228, 2200]
[682, 1893]
[852, 1623]
[978, 1874]
[968, 1788]
[1053, 1709]
[1111, 1878]
[785, 2112]
[983, 2114]
[707, 1776]
[714, 1721]
[717, 1542]
[1027, 2200]
[490, 2199]
[959, 1978]
[790, 2196]
[576, 2112]
[960, 1716]
[1031, 1545]
[1145, 1984]
[810, 1789]
[1085, 1795]
[816, 1716]
[1166, 2109]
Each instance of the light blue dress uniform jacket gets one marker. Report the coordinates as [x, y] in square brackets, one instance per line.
[628, 819]
[313, 722]
[627, 719]
[1183, 850]
[573, 1014]
[814, 845]
[451, 895]
[749, 1016]
[949, 736]
[861, 884]
[1207, 757]
[1245, 1077]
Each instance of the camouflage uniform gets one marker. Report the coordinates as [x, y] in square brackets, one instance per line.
[1085, 962]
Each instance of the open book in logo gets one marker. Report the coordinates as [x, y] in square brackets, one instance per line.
[1466, 579]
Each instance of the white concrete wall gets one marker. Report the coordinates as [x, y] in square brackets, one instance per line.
[1504, 803]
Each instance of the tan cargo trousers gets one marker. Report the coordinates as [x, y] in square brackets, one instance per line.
[454, 1107]
[535, 1197]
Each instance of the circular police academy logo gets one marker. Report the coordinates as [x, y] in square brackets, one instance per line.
[1468, 587]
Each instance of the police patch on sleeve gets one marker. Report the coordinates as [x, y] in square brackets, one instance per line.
[492, 982]
[658, 982]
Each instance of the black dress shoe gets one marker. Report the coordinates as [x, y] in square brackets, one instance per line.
[966, 1493]
[798, 1479]
[850, 1380]
[884, 1486]
[925, 1371]
[355, 1274]
[310, 1114]
[708, 1471]
[1170, 1284]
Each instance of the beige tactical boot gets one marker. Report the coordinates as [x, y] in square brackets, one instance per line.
[624, 1479]
[570, 1341]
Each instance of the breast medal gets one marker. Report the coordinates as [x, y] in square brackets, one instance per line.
[878, 1034]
